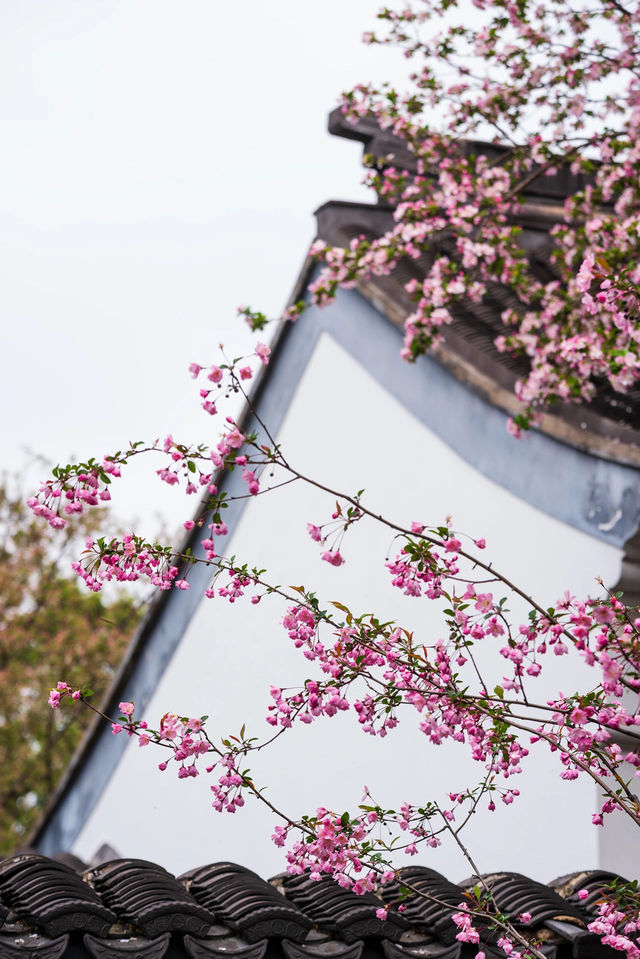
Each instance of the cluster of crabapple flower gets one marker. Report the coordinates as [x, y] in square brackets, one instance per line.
[333, 846]
[619, 927]
[459, 208]
[75, 487]
[581, 727]
[60, 691]
[383, 659]
[332, 533]
[194, 469]
[186, 739]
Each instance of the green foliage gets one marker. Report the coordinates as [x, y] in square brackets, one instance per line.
[51, 629]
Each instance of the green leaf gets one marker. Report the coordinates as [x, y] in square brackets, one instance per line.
[339, 606]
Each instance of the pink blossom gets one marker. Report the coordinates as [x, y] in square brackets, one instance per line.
[235, 438]
[333, 557]
[585, 273]
[263, 352]
[464, 922]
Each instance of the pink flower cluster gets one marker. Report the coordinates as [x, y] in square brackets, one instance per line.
[333, 848]
[185, 737]
[463, 921]
[228, 376]
[73, 489]
[228, 791]
[60, 691]
[618, 922]
[570, 333]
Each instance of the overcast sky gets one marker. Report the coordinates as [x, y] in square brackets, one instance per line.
[161, 163]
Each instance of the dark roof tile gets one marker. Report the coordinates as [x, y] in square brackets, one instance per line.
[390, 150]
[51, 896]
[217, 948]
[18, 941]
[432, 908]
[341, 910]
[150, 898]
[421, 948]
[593, 881]
[515, 894]
[324, 949]
[244, 901]
[134, 948]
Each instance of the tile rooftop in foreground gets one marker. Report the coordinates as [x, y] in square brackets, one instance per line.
[56, 908]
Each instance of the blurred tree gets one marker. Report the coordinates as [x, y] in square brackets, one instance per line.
[49, 627]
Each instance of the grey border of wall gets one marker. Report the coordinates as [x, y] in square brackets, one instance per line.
[598, 497]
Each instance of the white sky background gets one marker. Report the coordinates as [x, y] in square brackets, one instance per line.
[161, 162]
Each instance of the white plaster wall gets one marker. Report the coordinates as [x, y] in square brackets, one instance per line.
[618, 843]
[347, 430]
